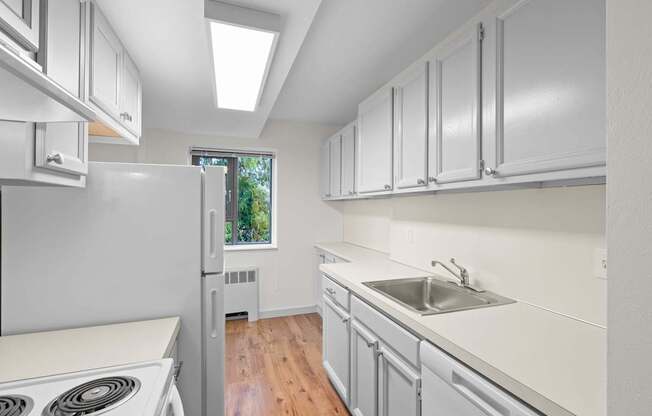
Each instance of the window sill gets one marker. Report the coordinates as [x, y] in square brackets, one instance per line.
[250, 247]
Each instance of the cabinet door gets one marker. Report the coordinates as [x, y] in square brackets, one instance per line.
[348, 160]
[325, 169]
[336, 166]
[364, 371]
[105, 64]
[374, 150]
[398, 386]
[336, 347]
[411, 128]
[20, 20]
[130, 113]
[546, 87]
[454, 150]
[63, 147]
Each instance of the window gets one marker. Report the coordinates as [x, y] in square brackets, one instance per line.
[248, 219]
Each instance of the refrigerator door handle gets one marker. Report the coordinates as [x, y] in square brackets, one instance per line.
[214, 313]
[213, 181]
[212, 220]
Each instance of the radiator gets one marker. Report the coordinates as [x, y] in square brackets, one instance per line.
[241, 292]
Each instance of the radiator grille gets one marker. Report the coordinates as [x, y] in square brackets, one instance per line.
[241, 292]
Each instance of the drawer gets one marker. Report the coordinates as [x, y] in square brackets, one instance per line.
[400, 340]
[337, 293]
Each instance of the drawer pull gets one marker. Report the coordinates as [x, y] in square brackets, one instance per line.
[55, 157]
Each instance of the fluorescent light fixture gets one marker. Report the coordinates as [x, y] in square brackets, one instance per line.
[243, 41]
[241, 60]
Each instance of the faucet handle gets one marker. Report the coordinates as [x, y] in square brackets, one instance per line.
[457, 265]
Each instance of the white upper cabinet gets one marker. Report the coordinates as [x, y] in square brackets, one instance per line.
[325, 169]
[375, 143]
[19, 19]
[348, 160]
[114, 85]
[544, 79]
[63, 147]
[105, 65]
[411, 128]
[335, 143]
[455, 91]
[131, 96]
[51, 153]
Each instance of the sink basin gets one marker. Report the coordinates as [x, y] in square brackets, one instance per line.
[429, 296]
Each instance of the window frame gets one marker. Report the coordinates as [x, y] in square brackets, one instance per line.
[232, 156]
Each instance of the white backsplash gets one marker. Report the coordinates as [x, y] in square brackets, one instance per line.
[534, 245]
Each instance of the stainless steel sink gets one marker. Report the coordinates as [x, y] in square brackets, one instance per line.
[429, 296]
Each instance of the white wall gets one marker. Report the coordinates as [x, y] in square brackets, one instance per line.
[303, 219]
[534, 245]
[629, 197]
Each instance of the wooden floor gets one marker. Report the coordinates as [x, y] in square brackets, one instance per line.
[273, 367]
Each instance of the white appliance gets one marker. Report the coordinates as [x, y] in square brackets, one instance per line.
[139, 242]
[143, 389]
[450, 388]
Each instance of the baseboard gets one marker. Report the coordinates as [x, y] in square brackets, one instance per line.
[277, 313]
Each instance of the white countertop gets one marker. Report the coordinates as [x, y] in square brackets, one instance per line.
[555, 363]
[56, 352]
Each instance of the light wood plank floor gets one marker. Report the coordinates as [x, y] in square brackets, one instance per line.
[273, 367]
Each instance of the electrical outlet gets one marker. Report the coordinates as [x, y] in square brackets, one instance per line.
[600, 263]
[410, 236]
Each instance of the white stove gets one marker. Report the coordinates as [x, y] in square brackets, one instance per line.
[143, 389]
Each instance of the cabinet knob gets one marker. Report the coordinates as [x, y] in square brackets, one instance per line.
[432, 179]
[421, 182]
[490, 171]
[126, 116]
[388, 187]
[55, 157]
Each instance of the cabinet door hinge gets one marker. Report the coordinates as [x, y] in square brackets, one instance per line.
[480, 32]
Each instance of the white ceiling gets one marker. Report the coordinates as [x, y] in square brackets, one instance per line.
[168, 40]
[356, 46]
[352, 48]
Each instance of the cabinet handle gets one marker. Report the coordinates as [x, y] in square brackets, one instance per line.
[330, 291]
[372, 344]
[345, 320]
[126, 116]
[177, 370]
[55, 157]
[490, 171]
[388, 187]
[421, 182]
[432, 179]
[351, 193]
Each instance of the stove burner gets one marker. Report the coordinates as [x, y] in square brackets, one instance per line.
[15, 405]
[93, 397]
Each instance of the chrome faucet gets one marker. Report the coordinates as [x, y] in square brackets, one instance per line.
[463, 275]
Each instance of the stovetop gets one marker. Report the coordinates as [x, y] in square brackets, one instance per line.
[134, 389]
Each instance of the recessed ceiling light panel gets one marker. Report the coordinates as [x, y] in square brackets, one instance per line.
[242, 46]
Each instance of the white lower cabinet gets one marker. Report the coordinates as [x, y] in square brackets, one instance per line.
[336, 346]
[399, 386]
[364, 371]
[385, 378]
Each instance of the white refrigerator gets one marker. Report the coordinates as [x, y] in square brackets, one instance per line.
[139, 242]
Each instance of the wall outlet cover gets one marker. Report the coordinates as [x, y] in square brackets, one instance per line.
[600, 263]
